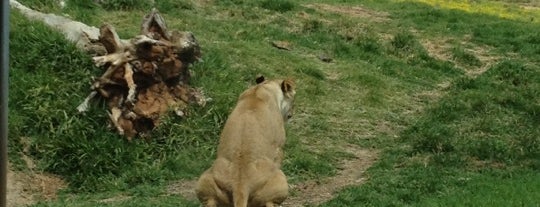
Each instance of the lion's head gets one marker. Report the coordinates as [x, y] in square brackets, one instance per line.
[285, 98]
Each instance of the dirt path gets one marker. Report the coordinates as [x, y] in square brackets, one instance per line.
[27, 188]
[351, 173]
[17, 190]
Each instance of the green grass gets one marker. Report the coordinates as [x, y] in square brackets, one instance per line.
[465, 57]
[497, 189]
[492, 117]
[452, 139]
[481, 138]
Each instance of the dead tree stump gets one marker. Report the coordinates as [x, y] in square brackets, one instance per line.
[146, 76]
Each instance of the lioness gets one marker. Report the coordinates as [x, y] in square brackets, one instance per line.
[247, 171]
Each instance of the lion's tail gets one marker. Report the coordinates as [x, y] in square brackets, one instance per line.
[240, 196]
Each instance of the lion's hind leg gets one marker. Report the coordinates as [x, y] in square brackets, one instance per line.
[208, 191]
[274, 191]
[210, 203]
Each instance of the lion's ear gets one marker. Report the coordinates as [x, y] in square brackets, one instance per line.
[259, 79]
[287, 86]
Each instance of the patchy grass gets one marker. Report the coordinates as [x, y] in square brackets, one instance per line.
[514, 10]
[439, 132]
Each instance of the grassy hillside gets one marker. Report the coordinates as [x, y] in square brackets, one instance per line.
[445, 94]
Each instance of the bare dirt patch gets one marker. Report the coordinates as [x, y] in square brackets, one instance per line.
[185, 188]
[27, 188]
[354, 11]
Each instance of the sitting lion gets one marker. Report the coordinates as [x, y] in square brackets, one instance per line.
[247, 171]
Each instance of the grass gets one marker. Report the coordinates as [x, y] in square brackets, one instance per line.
[494, 189]
[452, 139]
[503, 9]
[481, 138]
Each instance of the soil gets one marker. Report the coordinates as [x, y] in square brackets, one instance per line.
[26, 188]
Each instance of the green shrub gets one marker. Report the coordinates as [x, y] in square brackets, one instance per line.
[491, 148]
[431, 136]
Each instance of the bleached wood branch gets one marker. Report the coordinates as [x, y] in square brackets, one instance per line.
[73, 30]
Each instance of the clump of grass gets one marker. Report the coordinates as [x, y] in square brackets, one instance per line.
[313, 72]
[42, 5]
[232, 2]
[166, 6]
[125, 4]
[311, 25]
[342, 49]
[278, 5]
[463, 56]
[81, 10]
[369, 43]
[404, 43]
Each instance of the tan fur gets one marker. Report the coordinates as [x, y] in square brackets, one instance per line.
[247, 171]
